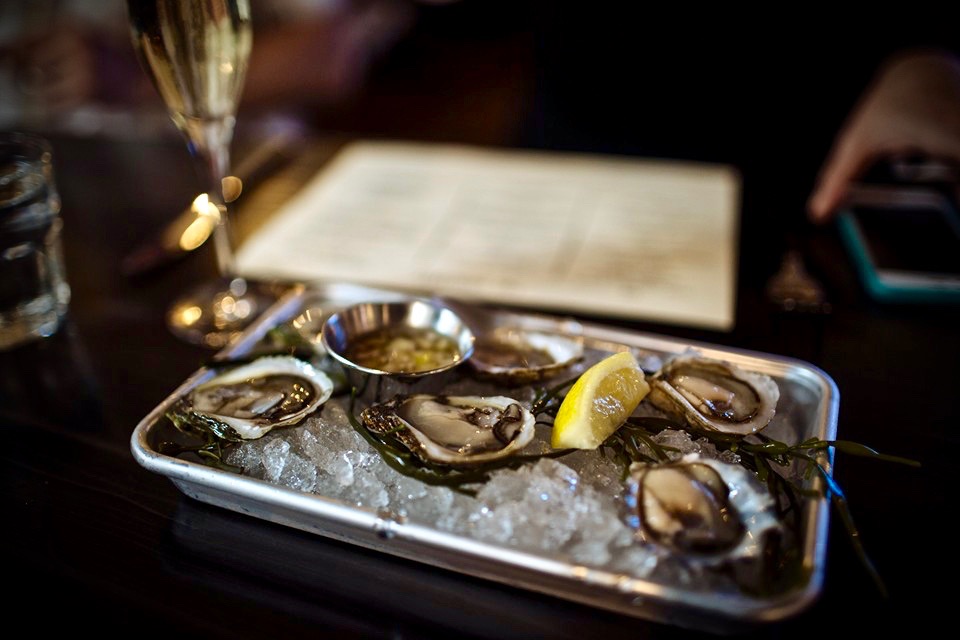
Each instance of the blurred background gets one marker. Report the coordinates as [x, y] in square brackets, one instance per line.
[715, 84]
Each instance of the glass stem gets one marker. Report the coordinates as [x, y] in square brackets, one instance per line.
[214, 151]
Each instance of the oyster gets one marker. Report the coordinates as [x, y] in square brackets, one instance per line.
[715, 396]
[701, 507]
[454, 430]
[516, 356]
[248, 401]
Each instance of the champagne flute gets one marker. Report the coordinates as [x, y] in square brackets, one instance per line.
[196, 53]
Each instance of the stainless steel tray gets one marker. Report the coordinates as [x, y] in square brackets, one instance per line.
[810, 394]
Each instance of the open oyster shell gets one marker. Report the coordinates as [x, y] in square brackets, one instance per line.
[248, 401]
[454, 430]
[715, 396]
[711, 511]
[517, 356]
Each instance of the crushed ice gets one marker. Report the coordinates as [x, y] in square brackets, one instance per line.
[568, 508]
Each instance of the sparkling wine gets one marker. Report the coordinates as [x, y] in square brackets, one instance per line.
[196, 51]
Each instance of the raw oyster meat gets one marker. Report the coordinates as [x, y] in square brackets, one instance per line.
[248, 401]
[517, 356]
[701, 507]
[715, 396]
[454, 430]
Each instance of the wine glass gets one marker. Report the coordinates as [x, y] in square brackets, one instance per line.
[196, 53]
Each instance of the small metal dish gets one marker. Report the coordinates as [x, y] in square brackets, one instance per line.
[348, 325]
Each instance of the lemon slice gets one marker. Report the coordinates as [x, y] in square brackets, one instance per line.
[599, 402]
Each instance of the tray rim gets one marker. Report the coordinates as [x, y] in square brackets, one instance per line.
[383, 532]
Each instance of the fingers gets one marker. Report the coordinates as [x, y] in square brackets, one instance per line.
[845, 164]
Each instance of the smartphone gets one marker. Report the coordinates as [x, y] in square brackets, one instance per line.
[905, 242]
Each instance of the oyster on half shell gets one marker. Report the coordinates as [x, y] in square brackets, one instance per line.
[713, 395]
[704, 508]
[454, 430]
[517, 356]
[248, 401]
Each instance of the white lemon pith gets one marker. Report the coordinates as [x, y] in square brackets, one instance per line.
[599, 402]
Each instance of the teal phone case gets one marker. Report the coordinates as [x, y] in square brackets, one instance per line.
[876, 286]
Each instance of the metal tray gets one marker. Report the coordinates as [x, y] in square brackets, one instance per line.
[810, 394]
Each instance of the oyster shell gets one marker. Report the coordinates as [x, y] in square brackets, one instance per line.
[248, 401]
[454, 430]
[715, 396]
[516, 356]
[704, 508]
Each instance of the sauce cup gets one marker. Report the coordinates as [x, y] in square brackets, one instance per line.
[342, 331]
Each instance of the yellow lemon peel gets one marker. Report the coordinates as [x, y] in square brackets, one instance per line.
[599, 402]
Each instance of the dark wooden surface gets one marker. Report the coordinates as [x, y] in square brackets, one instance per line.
[93, 542]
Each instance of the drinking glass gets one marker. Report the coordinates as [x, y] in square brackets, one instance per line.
[33, 291]
[196, 53]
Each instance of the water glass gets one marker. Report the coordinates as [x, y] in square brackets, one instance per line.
[33, 290]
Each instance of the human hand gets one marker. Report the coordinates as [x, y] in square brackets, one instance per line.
[912, 107]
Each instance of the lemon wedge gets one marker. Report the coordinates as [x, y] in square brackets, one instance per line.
[599, 402]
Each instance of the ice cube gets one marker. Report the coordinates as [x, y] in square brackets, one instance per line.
[246, 456]
[274, 457]
[298, 473]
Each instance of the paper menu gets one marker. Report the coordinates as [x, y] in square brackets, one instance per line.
[638, 239]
